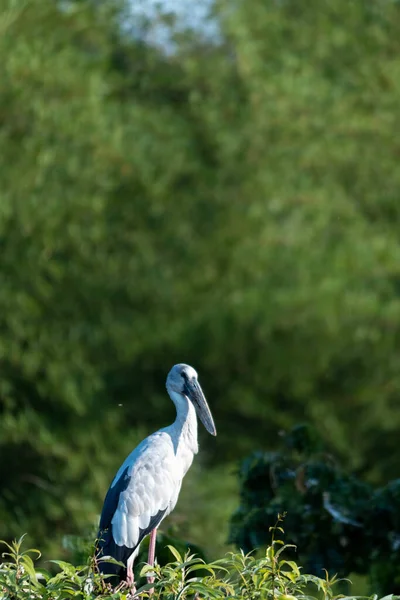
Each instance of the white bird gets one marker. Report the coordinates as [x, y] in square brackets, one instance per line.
[146, 488]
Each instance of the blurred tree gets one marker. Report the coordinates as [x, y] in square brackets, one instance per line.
[56, 143]
[233, 205]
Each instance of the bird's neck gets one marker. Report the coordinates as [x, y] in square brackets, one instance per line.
[185, 424]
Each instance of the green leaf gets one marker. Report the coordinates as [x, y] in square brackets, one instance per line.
[175, 553]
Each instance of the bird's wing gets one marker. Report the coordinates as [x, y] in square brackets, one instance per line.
[144, 491]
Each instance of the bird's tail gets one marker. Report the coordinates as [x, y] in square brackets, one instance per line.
[107, 548]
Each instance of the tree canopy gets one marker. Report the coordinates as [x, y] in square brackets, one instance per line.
[233, 205]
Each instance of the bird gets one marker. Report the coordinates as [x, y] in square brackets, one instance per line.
[146, 487]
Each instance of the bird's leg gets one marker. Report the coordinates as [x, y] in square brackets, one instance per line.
[130, 580]
[152, 552]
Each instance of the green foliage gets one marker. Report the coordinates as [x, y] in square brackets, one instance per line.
[241, 576]
[80, 547]
[338, 522]
[233, 205]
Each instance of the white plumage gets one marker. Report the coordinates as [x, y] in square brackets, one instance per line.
[146, 488]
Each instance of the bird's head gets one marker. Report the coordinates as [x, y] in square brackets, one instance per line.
[182, 379]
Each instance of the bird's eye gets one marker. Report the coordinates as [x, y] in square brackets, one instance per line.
[184, 375]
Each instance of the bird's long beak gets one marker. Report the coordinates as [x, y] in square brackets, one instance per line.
[196, 395]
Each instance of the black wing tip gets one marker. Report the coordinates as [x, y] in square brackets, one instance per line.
[153, 524]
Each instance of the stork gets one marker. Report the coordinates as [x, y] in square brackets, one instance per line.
[146, 488]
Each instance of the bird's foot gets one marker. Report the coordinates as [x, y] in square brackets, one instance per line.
[132, 591]
[130, 581]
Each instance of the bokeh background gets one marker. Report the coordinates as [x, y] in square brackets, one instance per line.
[226, 195]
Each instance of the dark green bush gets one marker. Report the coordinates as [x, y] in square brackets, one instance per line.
[336, 521]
